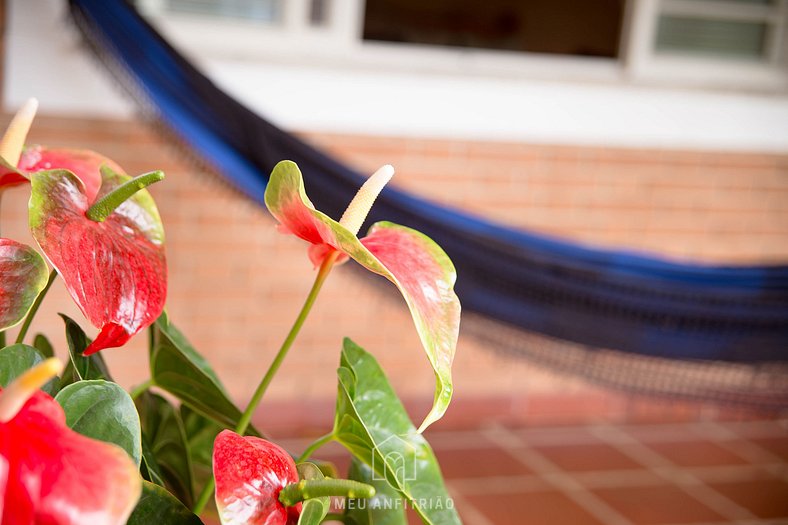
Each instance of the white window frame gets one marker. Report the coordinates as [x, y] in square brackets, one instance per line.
[644, 64]
[339, 44]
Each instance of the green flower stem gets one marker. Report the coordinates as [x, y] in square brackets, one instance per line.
[319, 442]
[103, 207]
[333, 516]
[246, 417]
[295, 493]
[139, 389]
[33, 309]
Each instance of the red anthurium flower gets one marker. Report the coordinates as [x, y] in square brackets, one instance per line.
[52, 475]
[85, 164]
[420, 269]
[10, 176]
[115, 269]
[11, 145]
[16, 165]
[23, 274]
[250, 472]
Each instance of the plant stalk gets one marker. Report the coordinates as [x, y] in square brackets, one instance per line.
[33, 309]
[319, 442]
[246, 417]
[138, 390]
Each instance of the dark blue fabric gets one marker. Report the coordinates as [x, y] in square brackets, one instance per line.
[601, 298]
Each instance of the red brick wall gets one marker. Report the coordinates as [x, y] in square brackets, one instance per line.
[236, 284]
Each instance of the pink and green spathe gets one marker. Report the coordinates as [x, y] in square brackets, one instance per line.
[416, 265]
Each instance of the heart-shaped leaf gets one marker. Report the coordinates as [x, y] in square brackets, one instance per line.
[43, 345]
[81, 367]
[18, 358]
[104, 411]
[385, 508]
[315, 509]
[23, 274]
[85, 164]
[159, 507]
[161, 423]
[115, 270]
[177, 368]
[419, 268]
[372, 423]
[149, 467]
[201, 432]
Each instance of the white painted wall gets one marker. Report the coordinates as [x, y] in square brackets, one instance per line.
[45, 60]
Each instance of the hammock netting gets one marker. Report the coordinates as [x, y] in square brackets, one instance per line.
[641, 323]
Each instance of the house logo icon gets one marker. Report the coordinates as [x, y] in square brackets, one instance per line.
[394, 461]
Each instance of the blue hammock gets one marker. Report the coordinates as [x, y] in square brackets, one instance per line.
[601, 299]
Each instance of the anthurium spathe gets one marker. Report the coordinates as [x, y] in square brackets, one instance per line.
[16, 163]
[420, 269]
[113, 264]
[250, 473]
[11, 145]
[54, 476]
[23, 274]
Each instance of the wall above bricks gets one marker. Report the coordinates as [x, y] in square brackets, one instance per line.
[236, 283]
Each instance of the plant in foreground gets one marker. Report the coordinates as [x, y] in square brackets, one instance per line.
[49, 469]
[114, 457]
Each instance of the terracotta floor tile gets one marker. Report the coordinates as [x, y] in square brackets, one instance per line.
[588, 457]
[657, 504]
[534, 436]
[766, 498]
[479, 462]
[696, 453]
[663, 432]
[542, 508]
[776, 445]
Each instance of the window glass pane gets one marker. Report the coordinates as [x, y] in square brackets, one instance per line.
[722, 38]
[757, 2]
[260, 10]
[567, 27]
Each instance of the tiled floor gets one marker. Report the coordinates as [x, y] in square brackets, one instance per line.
[709, 473]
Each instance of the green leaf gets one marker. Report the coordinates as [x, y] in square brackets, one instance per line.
[43, 345]
[200, 435]
[103, 410]
[177, 368]
[372, 423]
[313, 510]
[162, 425]
[149, 468]
[158, 507]
[82, 368]
[385, 508]
[16, 359]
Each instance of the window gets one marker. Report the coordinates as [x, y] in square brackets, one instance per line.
[258, 10]
[566, 27]
[727, 29]
[721, 43]
[738, 44]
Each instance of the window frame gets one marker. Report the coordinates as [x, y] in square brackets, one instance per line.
[339, 43]
[644, 64]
